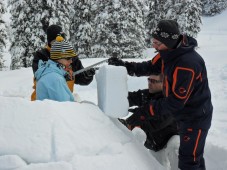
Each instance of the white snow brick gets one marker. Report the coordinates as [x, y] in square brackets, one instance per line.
[112, 90]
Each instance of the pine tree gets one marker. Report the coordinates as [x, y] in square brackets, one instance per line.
[173, 9]
[119, 30]
[82, 26]
[187, 13]
[3, 34]
[156, 13]
[190, 18]
[30, 19]
[213, 7]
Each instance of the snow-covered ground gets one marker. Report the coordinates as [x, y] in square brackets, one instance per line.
[46, 135]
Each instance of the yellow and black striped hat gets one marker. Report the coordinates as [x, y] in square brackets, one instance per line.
[61, 49]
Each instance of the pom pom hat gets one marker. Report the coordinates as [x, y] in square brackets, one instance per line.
[61, 49]
[167, 32]
[52, 32]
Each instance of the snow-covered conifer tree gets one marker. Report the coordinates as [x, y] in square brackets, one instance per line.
[120, 29]
[82, 26]
[3, 34]
[156, 13]
[190, 17]
[30, 19]
[172, 9]
[213, 7]
[187, 13]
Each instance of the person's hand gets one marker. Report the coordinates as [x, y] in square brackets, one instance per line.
[90, 72]
[115, 61]
[140, 114]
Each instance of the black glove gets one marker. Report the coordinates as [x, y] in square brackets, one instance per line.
[140, 114]
[90, 72]
[138, 98]
[116, 61]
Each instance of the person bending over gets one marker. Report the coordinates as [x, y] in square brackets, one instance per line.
[159, 129]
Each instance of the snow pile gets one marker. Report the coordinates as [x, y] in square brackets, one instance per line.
[65, 135]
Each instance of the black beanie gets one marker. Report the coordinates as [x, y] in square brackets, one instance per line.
[167, 32]
[52, 32]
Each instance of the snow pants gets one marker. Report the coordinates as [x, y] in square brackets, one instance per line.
[192, 142]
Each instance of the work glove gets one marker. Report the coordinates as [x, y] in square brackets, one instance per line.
[125, 123]
[138, 98]
[90, 72]
[116, 61]
[85, 77]
[139, 116]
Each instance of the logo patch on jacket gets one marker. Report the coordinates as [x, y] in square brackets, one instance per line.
[182, 90]
[186, 138]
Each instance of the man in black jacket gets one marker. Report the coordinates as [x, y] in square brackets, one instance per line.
[159, 129]
[43, 54]
[186, 90]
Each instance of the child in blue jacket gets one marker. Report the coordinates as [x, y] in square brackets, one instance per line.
[51, 75]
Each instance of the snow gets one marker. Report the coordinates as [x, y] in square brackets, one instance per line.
[73, 133]
[46, 134]
[11, 162]
[112, 86]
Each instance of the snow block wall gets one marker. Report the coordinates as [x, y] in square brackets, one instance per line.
[9, 162]
[47, 135]
[112, 90]
[23, 131]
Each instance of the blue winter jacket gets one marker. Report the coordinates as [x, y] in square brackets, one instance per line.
[51, 83]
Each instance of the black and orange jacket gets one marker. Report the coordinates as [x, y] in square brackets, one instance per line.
[145, 68]
[158, 122]
[186, 89]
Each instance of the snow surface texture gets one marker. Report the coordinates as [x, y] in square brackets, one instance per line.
[112, 91]
[82, 137]
[66, 135]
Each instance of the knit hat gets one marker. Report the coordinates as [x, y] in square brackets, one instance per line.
[167, 32]
[61, 49]
[52, 32]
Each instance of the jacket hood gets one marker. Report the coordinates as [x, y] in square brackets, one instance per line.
[186, 45]
[48, 67]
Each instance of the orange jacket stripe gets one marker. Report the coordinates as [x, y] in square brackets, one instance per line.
[175, 81]
[155, 59]
[188, 96]
[196, 144]
[151, 110]
[199, 77]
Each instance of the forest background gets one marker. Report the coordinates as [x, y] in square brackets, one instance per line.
[96, 28]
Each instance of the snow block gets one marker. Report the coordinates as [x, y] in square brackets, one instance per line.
[9, 162]
[112, 90]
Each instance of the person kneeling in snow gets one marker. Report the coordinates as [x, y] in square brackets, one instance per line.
[158, 129]
[51, 76]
